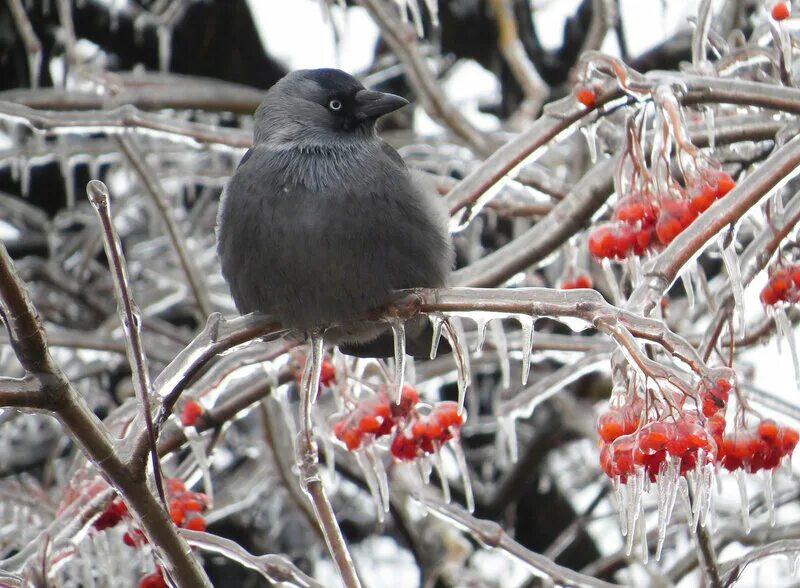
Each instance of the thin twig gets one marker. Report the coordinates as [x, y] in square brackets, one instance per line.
[130, 316]
[33, 46]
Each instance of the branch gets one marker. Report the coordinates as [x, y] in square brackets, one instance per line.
[402, 40]
[57, 395]
[491, 534]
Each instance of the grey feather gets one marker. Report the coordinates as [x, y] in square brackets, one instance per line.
[322, 220]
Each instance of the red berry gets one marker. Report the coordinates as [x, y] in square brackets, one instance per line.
[780, 11]
[667, 228]
[725, 184]
[197, 502]
[703, 199]
[780, 282]
[177, 511]
[583, 281]
[153, 580]
[789, 438]
[175, 485]
[197, 523]
[768, 296]
[192, 411]
[352, 439]
[602, 241]
[585, 96]
[768, 430]
[610, 425]
[654, 437]
[403, 448]
[369, 424]
[327, 374]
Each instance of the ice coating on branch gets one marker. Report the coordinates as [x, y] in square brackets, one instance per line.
[197, 447]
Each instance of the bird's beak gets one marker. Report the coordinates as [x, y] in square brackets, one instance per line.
[371, 104]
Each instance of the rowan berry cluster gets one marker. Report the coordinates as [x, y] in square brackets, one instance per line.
[412, 433]
[783, 286]
[645, 222]
[760, 449]
[629, 439]
[185, 508]
[579, 281]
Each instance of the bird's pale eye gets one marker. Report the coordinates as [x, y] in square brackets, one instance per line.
[335, 105]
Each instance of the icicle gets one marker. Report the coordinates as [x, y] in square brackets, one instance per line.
[436, 461]
[461, 460]
[642, 532]
[164, 34]
[508, 430]
[707, 495]
[769, 496]
[437, 321]
[745, 502]
[34, 67]
[67, 172]
[24, 177]
[590, 132]
[785, 331]
[686, 279]
[710, 126]
[199, 453]
[735, 279]
[611, 278]
[667, 493]
[501, 345]
[372, 483]
[622, 505]
[634, 270]
[480, 325]
[433, 10]
[461, 358]
[399, 332]
[526, 323]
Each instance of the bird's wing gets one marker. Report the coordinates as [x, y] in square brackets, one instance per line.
[245, 157]
[392, 154]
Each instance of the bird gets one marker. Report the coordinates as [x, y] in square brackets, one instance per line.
[322, 220]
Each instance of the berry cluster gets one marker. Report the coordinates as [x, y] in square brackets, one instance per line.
[783, 286]
[644, 222]
[627, 440]
[579, 281]
[761, 449]
[413, 434]
[185, 507]
[424, 435]
[781, 11]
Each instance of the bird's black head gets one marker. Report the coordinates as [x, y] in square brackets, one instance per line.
[313, 105]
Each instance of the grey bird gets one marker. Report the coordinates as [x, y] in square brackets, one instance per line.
[322, 220]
